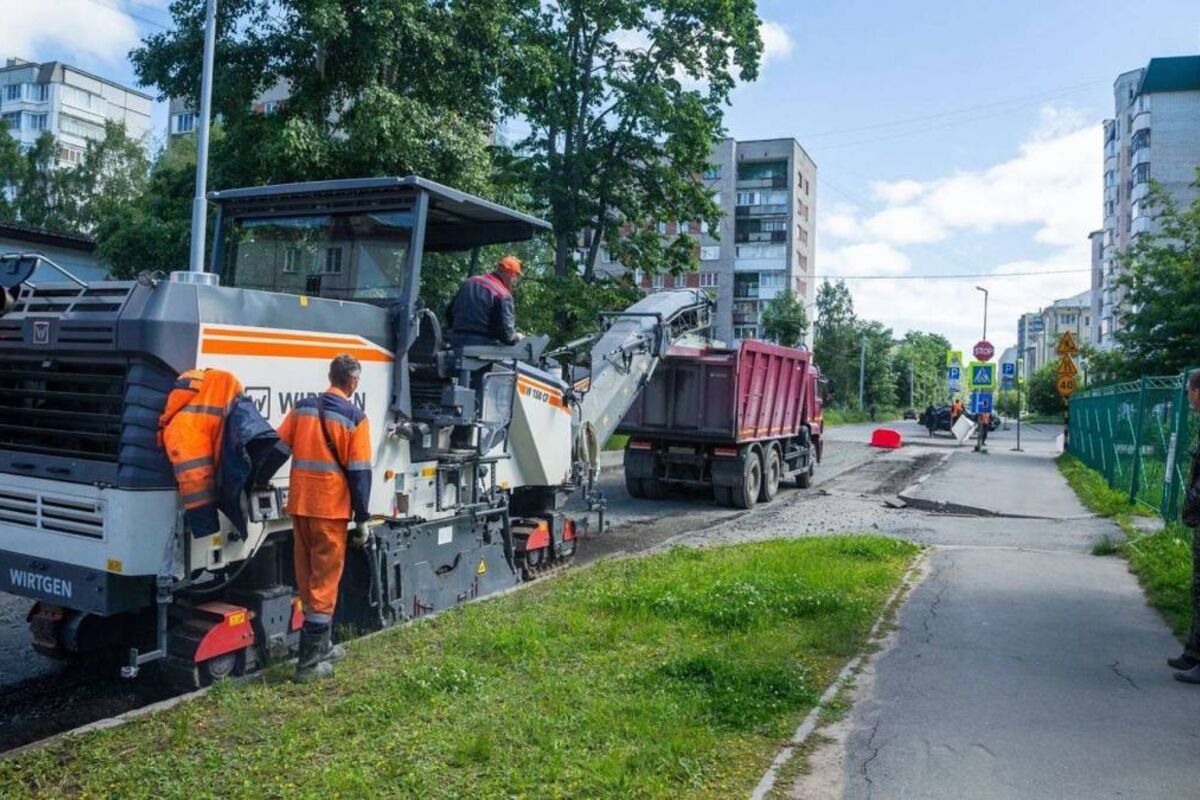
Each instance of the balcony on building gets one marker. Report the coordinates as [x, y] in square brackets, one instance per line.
[759, 257]
[1141, 120]
[762, 174]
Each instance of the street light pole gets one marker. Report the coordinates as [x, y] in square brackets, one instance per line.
[200, 201]
[985, 305]
[862, 370]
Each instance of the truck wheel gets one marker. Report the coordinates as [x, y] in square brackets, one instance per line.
[634, 486]
[652, 489]
[804, 479]
[723, 495]
[745, 494]
[771, 474]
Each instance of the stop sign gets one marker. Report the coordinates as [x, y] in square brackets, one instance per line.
[983, 350]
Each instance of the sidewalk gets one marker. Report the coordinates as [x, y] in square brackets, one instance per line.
[1023, 666]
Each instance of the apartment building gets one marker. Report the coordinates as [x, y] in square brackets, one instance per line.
[69, 103]
[766, 240]
[182, 119]
[1038, 332]
[1154, 135]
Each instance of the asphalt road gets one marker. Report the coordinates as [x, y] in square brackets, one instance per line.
[1021, 666]
[39, 698]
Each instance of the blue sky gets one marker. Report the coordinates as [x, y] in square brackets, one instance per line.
[949, 137]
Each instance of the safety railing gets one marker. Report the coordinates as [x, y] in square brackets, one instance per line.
[1138, 435]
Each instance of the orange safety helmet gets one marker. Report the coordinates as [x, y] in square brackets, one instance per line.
[510, 265]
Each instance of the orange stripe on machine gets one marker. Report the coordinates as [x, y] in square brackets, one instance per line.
[271, 343]
[541, 391]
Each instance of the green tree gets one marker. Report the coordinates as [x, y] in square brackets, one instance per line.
[1042, 391]
[837, 343]
[1007, 403]
[784, 319]
[1162, 280]
[624, 99]
[879, 367]
[925, 355]
[375, 87]
[10, 175]
[41, 197]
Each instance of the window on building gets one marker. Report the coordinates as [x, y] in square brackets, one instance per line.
[760, 251]
[662, 228]
[69, 155]
[802, 234]
[802, 262]
[712, 172]
[37, 92]
[82, 99]
[803, 211]
[1110, 178]
[13, 92]
[657, 280]
[709, 280]
[684, 227]
[1140, 139]
[79, 127]
[773, 225]
[710, 253]
[13, 121]
[762, 170]
[1141, 174]
[703, 226]
[745, 331]
[183, 123]
[291, 260]
[37, 122]
[772, 280]
[333, 261]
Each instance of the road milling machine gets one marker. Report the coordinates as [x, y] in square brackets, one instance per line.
[476, 448]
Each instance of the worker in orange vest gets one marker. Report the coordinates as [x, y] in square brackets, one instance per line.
[956, 410]
[330, 484]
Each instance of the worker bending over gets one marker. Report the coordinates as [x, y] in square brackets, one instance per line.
[330, 484]
[482, 312]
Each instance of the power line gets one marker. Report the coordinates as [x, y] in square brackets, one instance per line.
[126, 13]
[951, 275]
[1037, 98]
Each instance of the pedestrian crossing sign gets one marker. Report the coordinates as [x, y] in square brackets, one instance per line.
[981, 375]
[954, 358]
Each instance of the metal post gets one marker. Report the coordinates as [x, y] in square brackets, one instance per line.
[200, 201]
[985, 304]
[862, 370]
[910, 386]
[1137, 441]
[1017, 378]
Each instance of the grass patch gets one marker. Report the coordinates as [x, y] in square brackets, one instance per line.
[1094, 492]
[1161, 560]
[670, 676]
[853, 416]
[616, 442]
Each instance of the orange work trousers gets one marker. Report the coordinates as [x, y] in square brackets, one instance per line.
[319, 552]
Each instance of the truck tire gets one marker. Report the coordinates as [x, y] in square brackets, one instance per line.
[804, 479]
[634, 486]
[723, 495]
[745, 494]
[772, 471]
[652, 489]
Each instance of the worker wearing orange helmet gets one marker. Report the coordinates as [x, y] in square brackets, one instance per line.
[483, 312]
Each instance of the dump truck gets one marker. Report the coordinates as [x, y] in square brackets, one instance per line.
[741, 420]
[476, 451]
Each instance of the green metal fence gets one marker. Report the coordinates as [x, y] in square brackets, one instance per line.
[1137, 435]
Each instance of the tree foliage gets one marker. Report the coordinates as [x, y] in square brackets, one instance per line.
[843, 341]
[925, 355]
[1158, 332]
[784, 319]
[1042, 391]
[624, 100]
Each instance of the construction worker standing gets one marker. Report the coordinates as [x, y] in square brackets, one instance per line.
[483, 312]
[330, 485]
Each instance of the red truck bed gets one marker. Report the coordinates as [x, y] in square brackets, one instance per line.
[755, 392]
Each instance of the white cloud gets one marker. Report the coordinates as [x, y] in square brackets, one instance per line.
[68, 29]
[868, 258]
[841, 222]
[897, 192]
[777, 42]
[1047, 195]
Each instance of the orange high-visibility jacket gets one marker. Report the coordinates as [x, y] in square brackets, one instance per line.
[320, 485]
[190, 428]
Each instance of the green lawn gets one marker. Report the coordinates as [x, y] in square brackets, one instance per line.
[849, 416]
[677, 675]
[1162, 560]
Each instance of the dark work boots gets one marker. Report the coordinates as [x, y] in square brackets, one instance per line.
[1183, 662]
[312, 664]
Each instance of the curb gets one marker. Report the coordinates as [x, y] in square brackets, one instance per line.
[809, 724]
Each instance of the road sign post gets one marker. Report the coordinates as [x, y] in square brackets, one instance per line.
[1067, 347]
[1017, 378]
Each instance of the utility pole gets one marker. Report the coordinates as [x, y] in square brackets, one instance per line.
[200, 200]
[862, 369]
[985, 304]
[910, 385]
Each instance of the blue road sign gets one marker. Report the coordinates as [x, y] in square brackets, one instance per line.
[981, 402]
[981, 375]
[954, 374]
[1008, 369]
